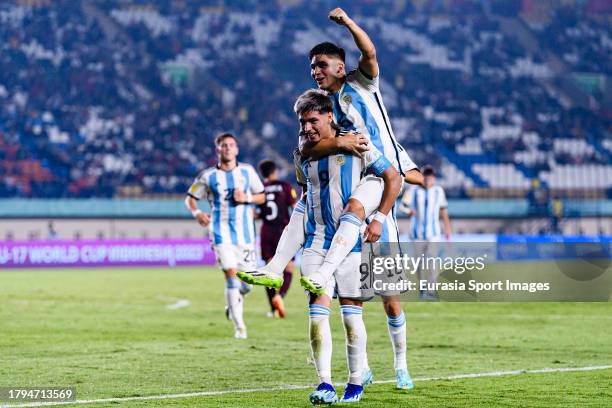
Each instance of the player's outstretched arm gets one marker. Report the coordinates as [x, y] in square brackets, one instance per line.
[350, 143]
[192, 205]
[393, 186]
[367, 62]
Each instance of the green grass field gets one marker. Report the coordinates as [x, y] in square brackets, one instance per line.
[109, 334]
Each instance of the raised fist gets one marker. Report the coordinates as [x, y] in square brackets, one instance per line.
[339, 16]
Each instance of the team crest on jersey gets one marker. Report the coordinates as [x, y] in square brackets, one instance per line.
[347, 99]
[340, 160]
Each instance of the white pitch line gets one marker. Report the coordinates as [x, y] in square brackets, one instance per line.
[506, 316]
[303, 387]
[179, 304]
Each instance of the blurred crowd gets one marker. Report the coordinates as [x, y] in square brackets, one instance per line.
[125, 97]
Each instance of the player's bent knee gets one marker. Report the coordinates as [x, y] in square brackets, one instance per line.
[354, 206]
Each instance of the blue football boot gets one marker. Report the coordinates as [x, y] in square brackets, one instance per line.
[352, 393]
[325, 394]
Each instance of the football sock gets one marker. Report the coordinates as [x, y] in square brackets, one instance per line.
[397, 333]
[287, 276]
[233, 300]
[344, 241]
[320, 341]
[271, 292]
[290, 241]
[356, 338]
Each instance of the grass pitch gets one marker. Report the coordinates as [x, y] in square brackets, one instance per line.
[109, 334]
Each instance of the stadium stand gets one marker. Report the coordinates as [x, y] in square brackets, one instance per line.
[123, 98]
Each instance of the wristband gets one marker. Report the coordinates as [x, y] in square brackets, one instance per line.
[195, 213]
[380, 217]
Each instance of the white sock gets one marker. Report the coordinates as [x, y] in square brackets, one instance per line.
[321, 341]
[397, 333]
[290, 242]
[366, 365]
[233, 300]
[356, 339]
[344, 241]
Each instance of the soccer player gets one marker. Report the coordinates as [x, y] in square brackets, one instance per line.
[330, 182]
[358, 106]
[231, 189]
[426, 206]
[274, 213]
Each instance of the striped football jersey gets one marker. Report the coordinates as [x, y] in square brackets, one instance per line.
[232, 223]
[359, 106]
[330, 181]
[426, 203]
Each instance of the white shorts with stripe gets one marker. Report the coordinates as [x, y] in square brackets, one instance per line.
[346, 280]
[241, 257]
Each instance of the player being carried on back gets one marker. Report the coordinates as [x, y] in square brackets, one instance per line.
[357, 105]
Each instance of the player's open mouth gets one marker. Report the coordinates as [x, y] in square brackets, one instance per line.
[319, 80]
[311, 136]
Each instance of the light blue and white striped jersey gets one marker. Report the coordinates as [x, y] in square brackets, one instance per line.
[425, 224]
[359, 106]
[330, 181]
[231, 223]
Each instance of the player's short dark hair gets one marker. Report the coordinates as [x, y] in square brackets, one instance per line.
[327, 48]
[224, 136]
[428, 170]
[313, 100]
[266, 167]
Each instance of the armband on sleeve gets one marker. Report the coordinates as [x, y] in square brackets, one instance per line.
[379, 166]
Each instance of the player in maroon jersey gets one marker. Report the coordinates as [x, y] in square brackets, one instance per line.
[274, 213]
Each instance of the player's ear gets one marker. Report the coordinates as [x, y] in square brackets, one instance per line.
[340, 70]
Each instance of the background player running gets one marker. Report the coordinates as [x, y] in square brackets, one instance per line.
[274, 214]
[231, 188]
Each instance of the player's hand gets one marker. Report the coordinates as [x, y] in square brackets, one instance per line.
[354, 144]
[373, 231]
[339, 17]
[240, 196]
[203, 219]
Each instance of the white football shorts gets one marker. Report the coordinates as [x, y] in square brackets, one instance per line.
[241, 257]
[346, 281]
